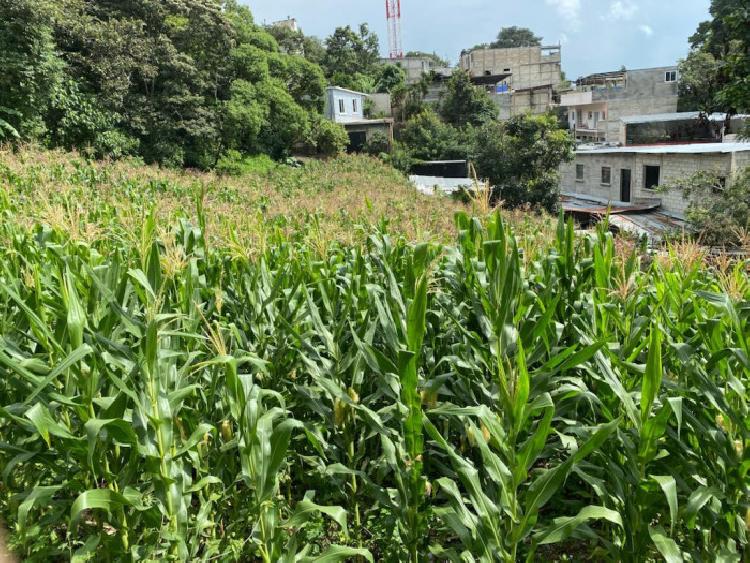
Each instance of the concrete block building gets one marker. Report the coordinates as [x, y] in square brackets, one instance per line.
[600, 101]
[629, 175]
[519, 80]
[416, 67]
[347, 107]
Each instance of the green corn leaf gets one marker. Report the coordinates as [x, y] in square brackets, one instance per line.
[42, 420]
[337, 553]
[665, 545]
[120, 430]
[102, 499]
[72, 359]
[306, 510]
[40, 495]
[669, 486]
[563, 528]
[653, 376]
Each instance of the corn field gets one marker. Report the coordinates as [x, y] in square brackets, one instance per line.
[163, 398]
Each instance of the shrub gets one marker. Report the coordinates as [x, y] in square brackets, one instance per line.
[377, 144]
[325, 137]
[720, 209]
[234, 163]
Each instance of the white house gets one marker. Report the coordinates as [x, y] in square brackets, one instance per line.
[347, 107]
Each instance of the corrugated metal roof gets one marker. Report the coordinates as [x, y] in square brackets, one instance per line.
[693, 148]
[637, 218]
[679, 116]
[431, 185]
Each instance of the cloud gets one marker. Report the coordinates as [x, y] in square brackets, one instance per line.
[647, 30]
[621, 10]
[569, 10]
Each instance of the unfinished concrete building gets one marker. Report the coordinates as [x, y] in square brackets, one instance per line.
[417, 66]
[599, 103]
[519, 80]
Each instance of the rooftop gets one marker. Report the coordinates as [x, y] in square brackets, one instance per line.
[680, 116]
[692, 148]
[340, 89]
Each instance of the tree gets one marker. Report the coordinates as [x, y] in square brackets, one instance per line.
[426, 137]
[717, 71]
[391, 77]
[511, 37]
[325, 137]
[465, 104]
[719, 210]
[350, 55]
[521, 157]
[31, 69]
[297, 43]
[408, 99]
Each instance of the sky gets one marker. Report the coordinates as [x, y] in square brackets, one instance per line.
[596, 35]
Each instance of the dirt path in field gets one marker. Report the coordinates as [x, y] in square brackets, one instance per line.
[5, 555]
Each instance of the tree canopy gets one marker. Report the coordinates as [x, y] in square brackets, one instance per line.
[511, 37]
[177, 82]
[352, 58]
[716, 74]
[465, 104]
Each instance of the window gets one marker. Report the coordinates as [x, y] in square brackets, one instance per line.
[579, 172]
[573, 116]
[606, 176]
[591, 115]
[506, 70]
[604, 116]
[354, 105]
[670, 76]
[342, 109]
[651, 177]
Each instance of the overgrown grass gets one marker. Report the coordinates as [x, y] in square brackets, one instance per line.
[171, 391]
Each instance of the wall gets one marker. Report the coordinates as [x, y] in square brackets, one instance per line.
[381, 105]
[674, 167]
[643, 92]
[332, 106]
[530, 66]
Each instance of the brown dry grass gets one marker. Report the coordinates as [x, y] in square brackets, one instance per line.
[340, 200]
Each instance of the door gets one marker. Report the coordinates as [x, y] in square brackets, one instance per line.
[357, 141]
[625, 177]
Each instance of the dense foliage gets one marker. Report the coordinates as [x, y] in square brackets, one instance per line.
[167, 397]
[719, 210]
[521, 159]
[511, 38]
[177, 83]
[715, 75]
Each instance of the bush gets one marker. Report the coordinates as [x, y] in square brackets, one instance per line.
[377, 144]
[428, 138]
[325, 137]
[720, 210]
[521, 157]
[234, 163]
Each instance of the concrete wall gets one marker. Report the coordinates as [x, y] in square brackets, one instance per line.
[641, 92]
[530, 66]
[381, 105]
[415, 67]
[674, 167]
[353, 106]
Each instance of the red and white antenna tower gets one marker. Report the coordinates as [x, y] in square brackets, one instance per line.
[393, 13]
